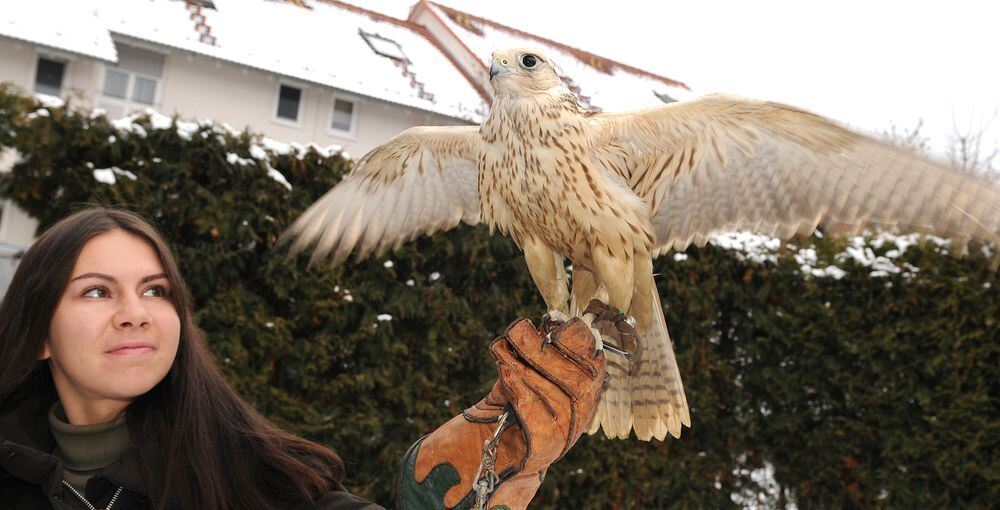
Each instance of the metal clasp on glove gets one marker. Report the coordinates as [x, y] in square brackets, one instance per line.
[482, 484]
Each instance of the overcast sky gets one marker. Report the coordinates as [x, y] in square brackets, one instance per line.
[870, 64]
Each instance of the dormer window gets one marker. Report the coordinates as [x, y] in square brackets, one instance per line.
[383, 46]
[663, 96]
[204, 4]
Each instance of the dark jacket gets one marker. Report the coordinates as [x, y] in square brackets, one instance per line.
[31, 477]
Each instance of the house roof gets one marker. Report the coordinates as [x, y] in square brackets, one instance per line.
[598, 81]
[316, 42]
[321, 42]
[59, 25]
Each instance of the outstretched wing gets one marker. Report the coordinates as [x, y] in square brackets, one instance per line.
[419, 182]
[722, 163]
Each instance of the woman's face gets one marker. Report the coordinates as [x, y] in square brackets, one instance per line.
[114, 333]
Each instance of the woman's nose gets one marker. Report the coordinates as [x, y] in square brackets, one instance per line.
[132, 312]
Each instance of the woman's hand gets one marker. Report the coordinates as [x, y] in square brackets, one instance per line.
[550, 380]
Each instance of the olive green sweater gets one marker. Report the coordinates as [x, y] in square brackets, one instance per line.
[86, 449]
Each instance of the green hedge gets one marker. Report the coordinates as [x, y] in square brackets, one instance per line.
[859, 392]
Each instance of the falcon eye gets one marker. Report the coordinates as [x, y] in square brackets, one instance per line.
[529, 61]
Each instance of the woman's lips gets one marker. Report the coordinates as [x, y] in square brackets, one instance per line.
[132, 349]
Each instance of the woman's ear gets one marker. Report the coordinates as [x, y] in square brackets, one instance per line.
[46, 353]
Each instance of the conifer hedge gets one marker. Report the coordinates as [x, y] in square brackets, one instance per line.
[868, 391]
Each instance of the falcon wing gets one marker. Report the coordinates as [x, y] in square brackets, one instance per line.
[722, 163]
[419, 182]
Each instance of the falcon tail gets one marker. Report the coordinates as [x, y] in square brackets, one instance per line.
[659, 404]
[648, 395]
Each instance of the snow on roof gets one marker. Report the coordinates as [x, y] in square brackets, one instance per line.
[599, 82]
[66, 26]
[317, 42]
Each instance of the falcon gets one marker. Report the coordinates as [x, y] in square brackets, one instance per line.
[611, 191]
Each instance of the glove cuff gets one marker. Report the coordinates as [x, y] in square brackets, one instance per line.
[429, 473]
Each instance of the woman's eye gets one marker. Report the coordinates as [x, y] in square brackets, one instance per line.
[529, 61]
[96, 292]
[155, 291]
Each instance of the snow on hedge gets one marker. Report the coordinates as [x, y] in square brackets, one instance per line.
[261, 150]
[860, 250]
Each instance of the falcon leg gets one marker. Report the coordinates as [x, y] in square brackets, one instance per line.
[549, 273]
[640, 311]
[615, 273]
[585, 289]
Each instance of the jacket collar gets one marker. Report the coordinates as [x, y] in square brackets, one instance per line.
[26, 444]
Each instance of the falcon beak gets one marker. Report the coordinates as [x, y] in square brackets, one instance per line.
[497, 68]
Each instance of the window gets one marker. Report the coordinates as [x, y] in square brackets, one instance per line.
[663, 96]
[144, 90]
[49, 76]
[384, 46]
[289, 101]
[115, 84]
[343, 115]
[134, 80]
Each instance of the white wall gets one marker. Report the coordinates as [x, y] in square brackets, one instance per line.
[17, 230]
[201, 87]
[16, 227]
[18, 60]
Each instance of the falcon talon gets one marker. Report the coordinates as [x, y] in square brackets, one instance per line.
[552, 319]
[547, 340]
[545, 322]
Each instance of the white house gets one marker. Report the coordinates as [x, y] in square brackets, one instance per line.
[308, 71]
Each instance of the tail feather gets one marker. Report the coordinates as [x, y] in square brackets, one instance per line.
[658, 403]
[646, 393]
[664, 375]
[614, 410]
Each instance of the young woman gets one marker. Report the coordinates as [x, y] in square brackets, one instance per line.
[109, 397]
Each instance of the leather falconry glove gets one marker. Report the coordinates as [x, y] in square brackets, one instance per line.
[550, 379]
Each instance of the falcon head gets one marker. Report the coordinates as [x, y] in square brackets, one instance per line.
[522, 71]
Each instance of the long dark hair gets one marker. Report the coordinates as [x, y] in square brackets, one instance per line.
[217, 452]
